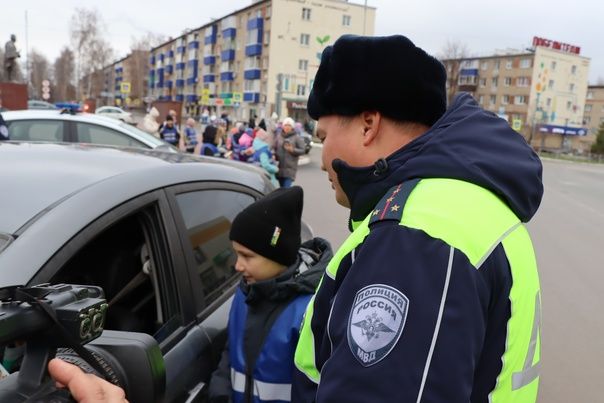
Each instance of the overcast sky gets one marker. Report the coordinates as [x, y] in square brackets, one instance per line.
[483, 26]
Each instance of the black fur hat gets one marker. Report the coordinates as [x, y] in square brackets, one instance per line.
[386, 74]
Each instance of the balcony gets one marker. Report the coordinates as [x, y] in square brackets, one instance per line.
[180, 66]
[253, 97]
[191, 80]
[193, 64]
[179, 98]
[193, 45]
[253, 50]
[180, 83]
[468, 80]
[209, 78]
[165, 98]
[169, 84]
[169, 69]
[255, 23]
[181, 49]
[152, 60]
[252, 74]
[227, 76]
[229, 33]
[209, 60]
[191, 98]
[228, 55]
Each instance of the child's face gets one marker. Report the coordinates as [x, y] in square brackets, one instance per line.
[253, 266]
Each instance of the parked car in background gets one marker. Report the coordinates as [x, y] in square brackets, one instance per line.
[151, 228]
[307, 141]
[68, 127]
[115, 113]
[37, 104]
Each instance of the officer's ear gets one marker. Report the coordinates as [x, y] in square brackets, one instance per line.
[371, 121]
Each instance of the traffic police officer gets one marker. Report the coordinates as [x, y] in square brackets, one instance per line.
[435, 295]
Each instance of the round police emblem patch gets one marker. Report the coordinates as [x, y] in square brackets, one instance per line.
[376, 322]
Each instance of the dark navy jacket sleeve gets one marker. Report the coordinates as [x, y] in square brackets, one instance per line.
[407, 324]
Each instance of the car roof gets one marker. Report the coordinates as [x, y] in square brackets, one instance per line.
[31, 114]
[36, 177]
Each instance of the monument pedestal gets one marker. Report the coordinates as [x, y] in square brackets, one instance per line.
[14, 95]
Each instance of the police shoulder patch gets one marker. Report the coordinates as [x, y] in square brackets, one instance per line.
[376, 322]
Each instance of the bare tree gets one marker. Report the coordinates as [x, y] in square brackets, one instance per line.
[452, 55]
[139, 61]
[39, 69]
[91, 51]
[64, 67]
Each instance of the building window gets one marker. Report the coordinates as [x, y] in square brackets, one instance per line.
[505, 99]
[550, 85]
[508, 64]
[588, 108]
[573, 69]
[571, 87]
[303, 64]
[569, 105]
[481, 99]
[548, 102]
[496, 65]
[553, 65]
[494, 82]
[301, 90]
[522, 82]
[525, 63]
[590, 95]
[266, 37]
[483, 82]
[305, 39]
[484, 65]
[492, 100]
[586, 120]
[306, 14]
[507, 81]
[346, 20]
[520, 100]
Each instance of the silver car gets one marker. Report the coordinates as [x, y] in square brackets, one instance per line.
[115, 113]
[65, 127]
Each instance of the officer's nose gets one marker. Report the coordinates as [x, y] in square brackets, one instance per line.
[238, 265]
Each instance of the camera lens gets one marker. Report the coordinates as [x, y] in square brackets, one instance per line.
[98, 321]
[85, 328]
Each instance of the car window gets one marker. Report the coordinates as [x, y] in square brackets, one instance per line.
[36, 130]
[95, 134]
[128, 260]
[208, 215]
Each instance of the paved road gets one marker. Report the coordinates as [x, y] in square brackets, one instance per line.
[568, 233]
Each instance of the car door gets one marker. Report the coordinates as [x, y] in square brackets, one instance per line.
[134, 253]
[96, 134]
[203, 215]
[53, 130]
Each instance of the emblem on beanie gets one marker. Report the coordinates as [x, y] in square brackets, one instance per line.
[376, 322]
[276, 234]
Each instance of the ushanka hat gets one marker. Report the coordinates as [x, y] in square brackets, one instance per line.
[271, 226]
[386, 74]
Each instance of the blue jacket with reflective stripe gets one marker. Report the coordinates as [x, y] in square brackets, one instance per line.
[274, 365]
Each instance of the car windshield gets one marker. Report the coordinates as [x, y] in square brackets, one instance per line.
[146, 136]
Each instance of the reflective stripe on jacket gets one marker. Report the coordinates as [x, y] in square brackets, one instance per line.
[434, 297]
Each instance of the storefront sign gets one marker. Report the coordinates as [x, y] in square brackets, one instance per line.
[548, 43]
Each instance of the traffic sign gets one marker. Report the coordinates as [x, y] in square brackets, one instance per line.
[219, 101]
[125, 88]
[237, 96]
[45, 83]
[45, 96]
[517, 124]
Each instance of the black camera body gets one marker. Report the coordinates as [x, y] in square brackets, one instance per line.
[46, 318]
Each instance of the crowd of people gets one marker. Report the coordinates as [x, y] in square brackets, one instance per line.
[273, 145]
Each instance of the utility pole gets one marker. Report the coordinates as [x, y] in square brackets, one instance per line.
[364, 16]
[27, 79]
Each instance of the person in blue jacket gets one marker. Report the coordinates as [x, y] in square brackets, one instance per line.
[435, 295]
[279, 277]
[264, 156]
[170, 133]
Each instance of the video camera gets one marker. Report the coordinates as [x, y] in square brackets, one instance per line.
[58, 320]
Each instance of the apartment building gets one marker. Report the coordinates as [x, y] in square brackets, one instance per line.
[541, 91]
[594, 109]
[258, 60]
[125, 82]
